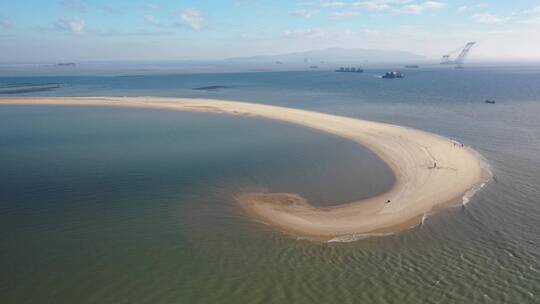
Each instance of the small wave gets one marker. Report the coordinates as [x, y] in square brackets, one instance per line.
[356, 237]
[486, 174]
[424, 218]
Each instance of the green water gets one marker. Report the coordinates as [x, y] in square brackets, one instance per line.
[105, 205]
[134, 206]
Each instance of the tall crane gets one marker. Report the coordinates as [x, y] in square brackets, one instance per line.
[447, 59]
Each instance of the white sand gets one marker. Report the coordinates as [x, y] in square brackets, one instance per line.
[410, 153]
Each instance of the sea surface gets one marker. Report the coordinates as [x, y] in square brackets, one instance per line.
[101, 205]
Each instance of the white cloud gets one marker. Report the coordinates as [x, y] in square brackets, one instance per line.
[413, 9]
[398, 6]
[74, 25]
[5, 24]
[113, 10]
[329, 37]
[306, 13]
[530, 16]
[191, 18]
[434, 4]
[332, 4]
[488, 18]
[534, 20]
[153, 6]
[75, 5]
[464, 8]
[346, 14]
[151, 19]
[535, 9]
[420, 8]
[305, 34]
[372, 5]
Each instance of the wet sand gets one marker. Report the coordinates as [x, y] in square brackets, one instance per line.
[431, 171]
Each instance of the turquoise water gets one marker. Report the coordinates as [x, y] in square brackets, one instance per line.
[103, 205]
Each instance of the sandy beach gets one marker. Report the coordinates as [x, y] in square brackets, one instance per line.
[431, 171]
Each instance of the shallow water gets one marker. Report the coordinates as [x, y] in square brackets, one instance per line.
[126, 205]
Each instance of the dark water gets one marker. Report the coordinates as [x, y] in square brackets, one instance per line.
[134, 206]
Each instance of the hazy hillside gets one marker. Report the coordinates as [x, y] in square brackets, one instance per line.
[335, 55]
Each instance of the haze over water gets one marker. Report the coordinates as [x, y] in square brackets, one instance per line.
[135, 206]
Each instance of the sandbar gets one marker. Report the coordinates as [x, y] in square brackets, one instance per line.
[430, 170]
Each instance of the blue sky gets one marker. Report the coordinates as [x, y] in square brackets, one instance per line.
[53, 30]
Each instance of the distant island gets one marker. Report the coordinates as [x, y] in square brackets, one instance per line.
[334, 55]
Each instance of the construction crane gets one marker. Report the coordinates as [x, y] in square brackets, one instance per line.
[447, 59]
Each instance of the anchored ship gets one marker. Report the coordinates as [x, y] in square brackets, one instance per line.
[393, 75]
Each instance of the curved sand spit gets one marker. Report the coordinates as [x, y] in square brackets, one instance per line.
[410, 153]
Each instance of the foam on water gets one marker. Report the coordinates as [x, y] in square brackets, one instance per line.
[356, 237]
[486, 174]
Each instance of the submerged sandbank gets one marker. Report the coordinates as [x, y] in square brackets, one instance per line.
[430, 170]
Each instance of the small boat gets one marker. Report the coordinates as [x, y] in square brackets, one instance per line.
[393, 75]
[412, 66]
[489, 101]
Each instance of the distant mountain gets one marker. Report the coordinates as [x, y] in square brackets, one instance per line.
[335, 55]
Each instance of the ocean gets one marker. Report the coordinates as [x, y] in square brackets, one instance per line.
[101, 205]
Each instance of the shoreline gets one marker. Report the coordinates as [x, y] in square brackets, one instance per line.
[430, 170]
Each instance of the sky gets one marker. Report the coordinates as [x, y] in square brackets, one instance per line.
[51, 30]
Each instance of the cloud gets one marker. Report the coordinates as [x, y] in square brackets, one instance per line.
[75, 5]
[398, 6]
[109, 9]
[191, 18]
[332, 4]
[326, 35]
[533, 21]
[420, 8]
[345, 14]
[120, 33]
[488, 18]
[306, 13]
[5, 24]
[412, 9]
[151, 19]
[73, 25]
[379, 6]
[534, 10]
[434, 4]
[464, 8]
[530, 16]
[153, 6]
[305, 34]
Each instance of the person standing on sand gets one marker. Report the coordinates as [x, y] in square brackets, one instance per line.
[434, 165]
